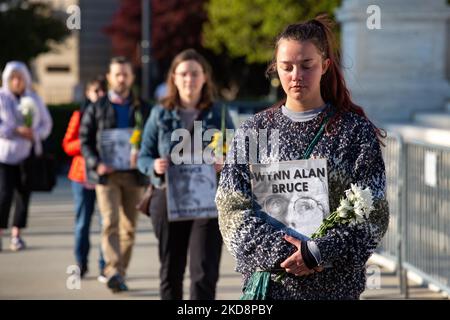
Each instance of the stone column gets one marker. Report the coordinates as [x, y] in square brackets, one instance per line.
[400, 69]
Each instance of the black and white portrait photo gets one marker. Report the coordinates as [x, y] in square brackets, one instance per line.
[191, 192]
[292, 195]
[116, 148]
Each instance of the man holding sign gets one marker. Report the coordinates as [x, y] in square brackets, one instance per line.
[118, 187]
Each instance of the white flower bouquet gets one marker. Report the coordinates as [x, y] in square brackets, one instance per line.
[354, 208]
[28, 109]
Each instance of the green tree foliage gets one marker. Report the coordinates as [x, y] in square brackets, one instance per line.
[28, 29]
[247, 28]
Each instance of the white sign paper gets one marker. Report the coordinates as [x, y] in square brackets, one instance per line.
[115, 148]
[430, 169]
[292, 195]
[191, 190]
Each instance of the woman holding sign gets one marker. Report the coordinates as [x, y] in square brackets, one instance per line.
[189, 98]
[317, 120]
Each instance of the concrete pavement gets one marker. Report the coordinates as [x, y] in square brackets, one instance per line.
[40, 272]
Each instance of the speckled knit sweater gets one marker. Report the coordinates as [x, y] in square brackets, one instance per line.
[353, 156]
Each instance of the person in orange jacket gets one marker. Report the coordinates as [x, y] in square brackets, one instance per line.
[83, 192]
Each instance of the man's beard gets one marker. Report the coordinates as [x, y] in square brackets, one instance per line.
[120, 90]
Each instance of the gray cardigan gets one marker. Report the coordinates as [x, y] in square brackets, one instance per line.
[353, 156]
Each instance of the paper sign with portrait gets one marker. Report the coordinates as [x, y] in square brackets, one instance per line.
[115, 148]
[191, 190]
[292, 195]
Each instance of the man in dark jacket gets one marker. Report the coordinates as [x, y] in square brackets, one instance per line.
[118, 191]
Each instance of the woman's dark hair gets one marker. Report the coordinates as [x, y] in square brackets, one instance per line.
[100, 83]
[332, 85]
[172, 98]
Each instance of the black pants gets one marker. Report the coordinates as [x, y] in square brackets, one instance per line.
[203, 240]
[11, 188]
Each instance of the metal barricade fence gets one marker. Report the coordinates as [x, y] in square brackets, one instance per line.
[427, 220]
[418, 192]
[392, 153]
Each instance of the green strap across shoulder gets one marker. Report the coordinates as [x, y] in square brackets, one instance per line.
[319, 135]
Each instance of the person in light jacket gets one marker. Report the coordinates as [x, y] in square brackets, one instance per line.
[189, 98]
[19, 136]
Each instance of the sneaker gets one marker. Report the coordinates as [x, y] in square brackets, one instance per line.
[102, 278]
[116, 283]
[17, 244]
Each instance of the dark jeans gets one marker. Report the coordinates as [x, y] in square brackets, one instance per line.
[84, 208]
[11, 189]
[203, 240]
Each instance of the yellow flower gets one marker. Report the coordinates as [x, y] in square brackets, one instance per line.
[135, 138]
[215, 144]
[215, 140]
